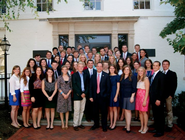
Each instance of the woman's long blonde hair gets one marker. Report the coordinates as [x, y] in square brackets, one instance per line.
[144, 74]
[85, 58]
[95, 59]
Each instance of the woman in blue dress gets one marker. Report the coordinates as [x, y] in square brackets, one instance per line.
[128, 89]
[114, 102]
[15, 95]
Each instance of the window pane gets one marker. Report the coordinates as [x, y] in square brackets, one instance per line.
[44, 7]
[38, 1]
[38, 7]
[63, 40]
[142, 6]
[147, 5]
[98, 5]
[122, 40]
[136, 4]
[50, 6]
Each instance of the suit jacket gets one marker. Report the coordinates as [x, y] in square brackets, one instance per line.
[157, 88]
[170, 83]
[105, 59]
[86, 71]
[76, 84]
[105, 85]
[64, 60]
[128, 54]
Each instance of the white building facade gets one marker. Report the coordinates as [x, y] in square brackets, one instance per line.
[110, 21]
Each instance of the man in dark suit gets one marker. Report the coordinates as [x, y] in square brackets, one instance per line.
[80, 90]
[57, 73]
[103, 56]
[137, 51]
[99, 94]
[49, 58]
[89, 105]
[63, 57]
[125, 52]
[157, 99]
[169, 89]
[55, 52]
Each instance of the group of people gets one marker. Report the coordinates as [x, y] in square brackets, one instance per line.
[114, 82]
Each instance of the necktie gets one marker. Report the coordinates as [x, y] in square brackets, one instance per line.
[49, 64]
[137, 57]
[152, 78]
[56, 76]
[61, 61]
[98, 84]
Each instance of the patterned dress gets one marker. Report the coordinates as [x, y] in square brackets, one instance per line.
[49, 88]
[64, 105]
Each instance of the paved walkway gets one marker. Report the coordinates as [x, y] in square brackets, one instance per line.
[85, 134]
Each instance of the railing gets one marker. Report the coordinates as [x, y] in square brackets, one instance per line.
[2, 86]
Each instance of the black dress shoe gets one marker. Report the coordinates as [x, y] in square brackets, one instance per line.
[47, 128]
[152, 131]
[104, 129]
[76, 128]
[113, 128]
[158, 135]
[124, 128]
[168, 129]
[81, 126]
[128, 131]
[94, 127]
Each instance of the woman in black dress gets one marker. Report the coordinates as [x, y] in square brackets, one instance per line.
[128, 89]
[37, 96]
[49, 88]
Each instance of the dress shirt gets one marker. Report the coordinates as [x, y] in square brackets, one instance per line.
[76, 59]
[124, 54]
[82, 81]
[90, 71]
[120, 72]
[100, 75]
[165, 71]
[103, 58]
[22, 85]
[155, 73]
[14, 84]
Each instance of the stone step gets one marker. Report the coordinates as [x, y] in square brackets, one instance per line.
[85, 123]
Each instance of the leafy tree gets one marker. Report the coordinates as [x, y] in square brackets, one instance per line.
[176, 26]
[10, 9]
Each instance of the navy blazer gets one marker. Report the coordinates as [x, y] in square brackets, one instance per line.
[105, 85]
[76, 85]
[128, 54]
[170, 83]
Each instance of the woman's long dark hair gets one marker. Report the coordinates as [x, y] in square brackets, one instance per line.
[146, 54]
[130, 73]
[118, 67]
[28, 64]
[53, 79]
[150, 62]
[35, 75]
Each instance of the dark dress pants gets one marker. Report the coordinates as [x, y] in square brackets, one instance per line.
[100, 103]
[159, 119]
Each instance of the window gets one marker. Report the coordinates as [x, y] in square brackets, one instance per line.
[98, 41]
[141, 4]
[122, 40]
[44, 5]
[92, 4]
[63, 40]
[2, 7]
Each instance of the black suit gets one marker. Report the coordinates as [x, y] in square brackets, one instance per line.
[76, 82]
[100, 99]
[170, 83]
[157, 93]
[89, 104]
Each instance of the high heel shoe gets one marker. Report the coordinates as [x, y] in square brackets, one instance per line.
[66, 127]
[14, 125]
[140, 130]
[113, 128]
[144, 132]
[63, 127]
[128, 131]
